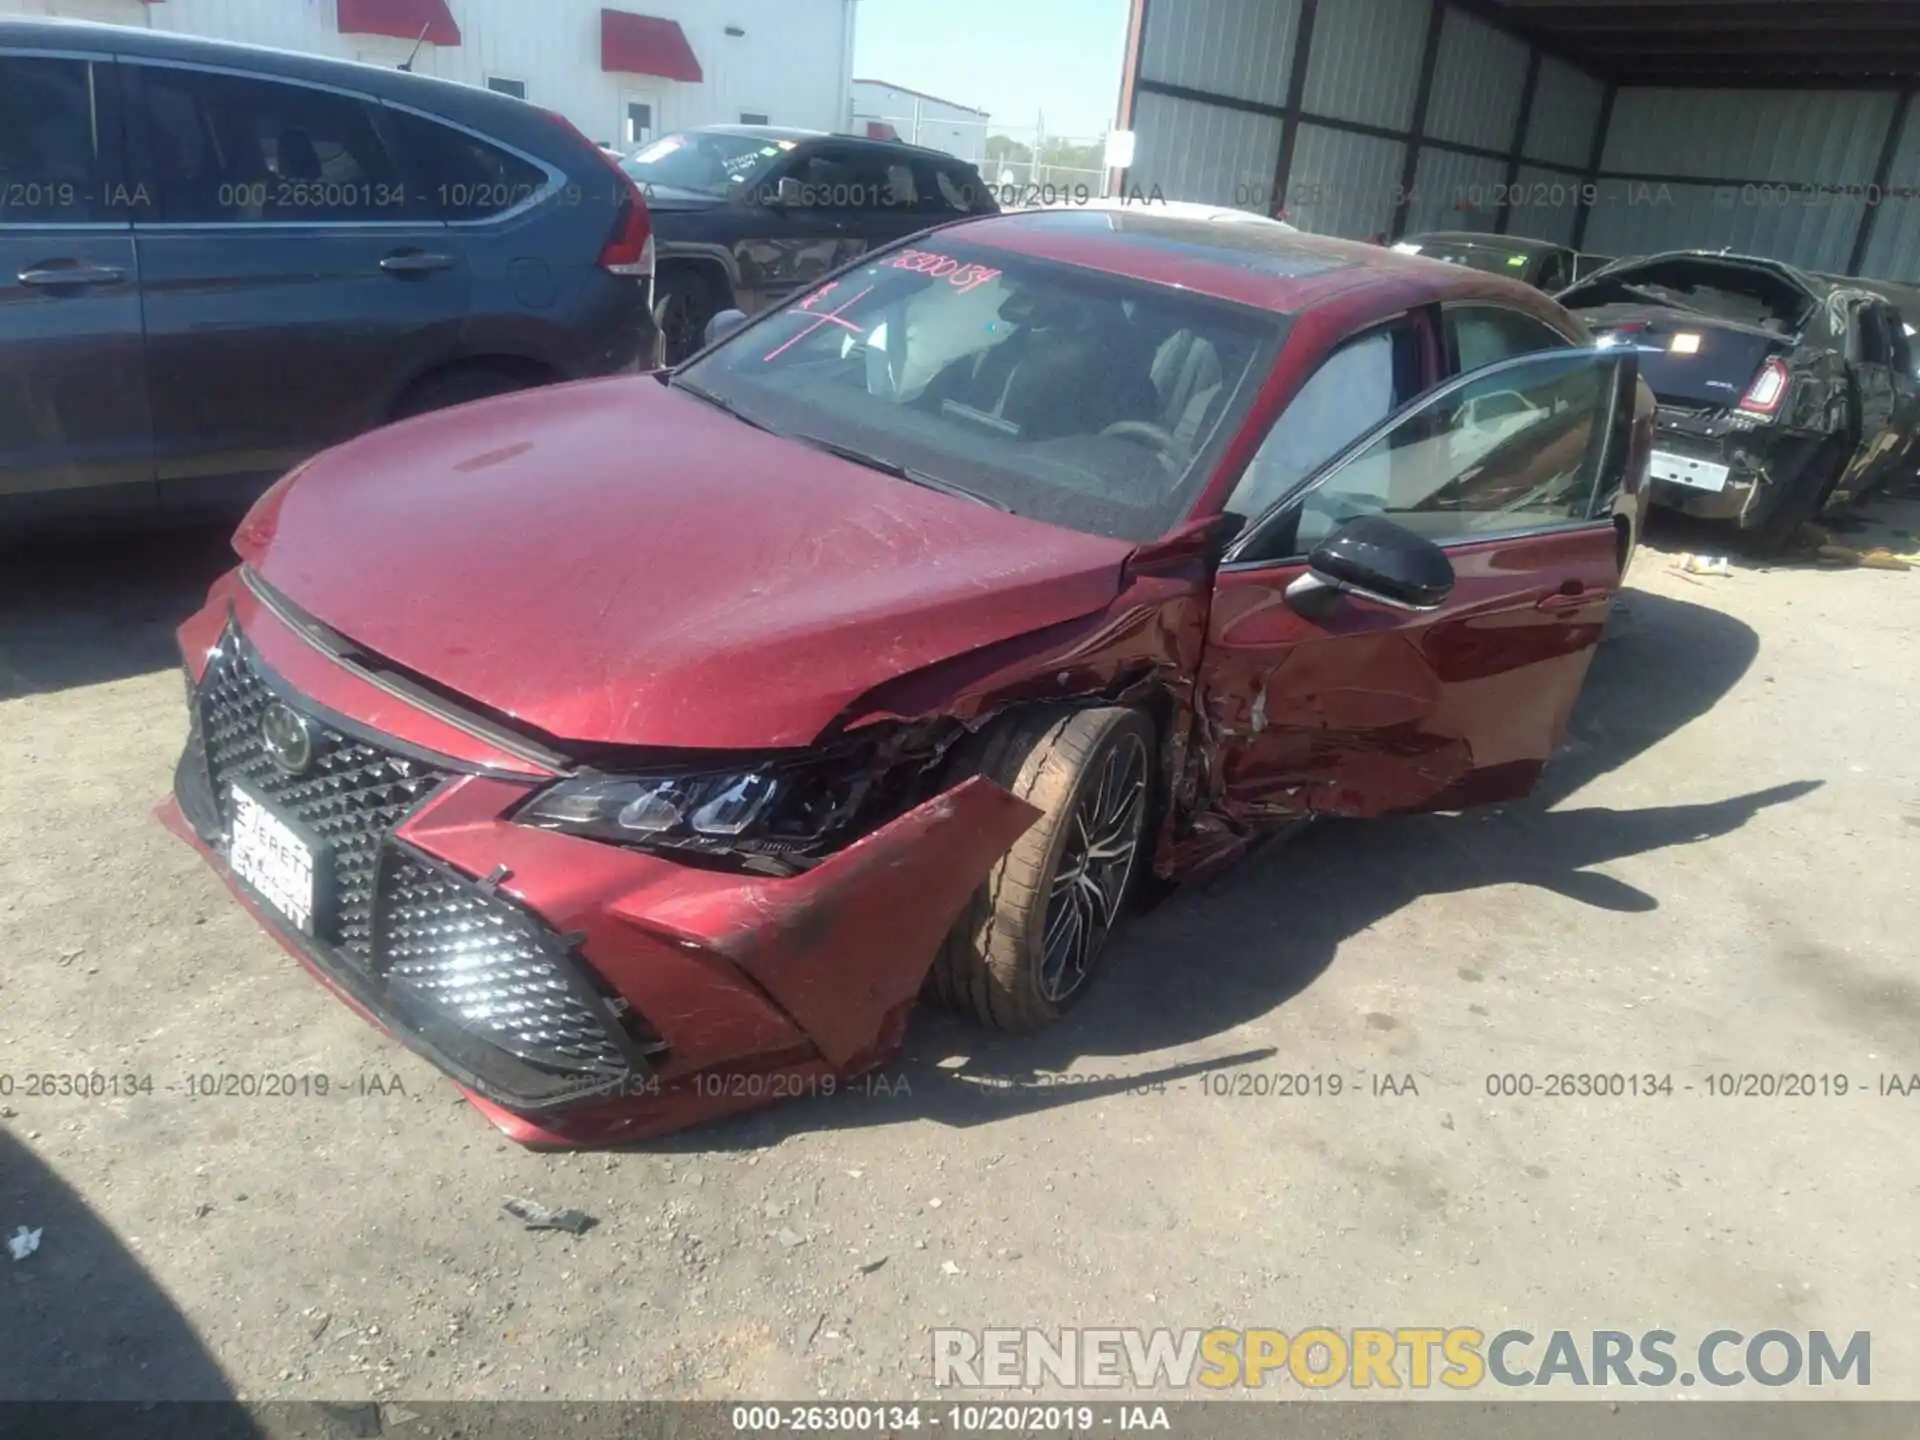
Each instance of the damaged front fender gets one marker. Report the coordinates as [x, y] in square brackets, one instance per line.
[843, 949]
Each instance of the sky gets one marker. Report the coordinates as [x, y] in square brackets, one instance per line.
[1012, 58]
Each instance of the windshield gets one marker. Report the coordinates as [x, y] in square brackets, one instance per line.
[1085, 400]
[1474, 257]
[705, 161]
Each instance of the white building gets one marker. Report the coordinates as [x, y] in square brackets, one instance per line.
[622, 76]
[889, 112]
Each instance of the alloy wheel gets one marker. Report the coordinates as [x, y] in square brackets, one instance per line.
[1096, 863]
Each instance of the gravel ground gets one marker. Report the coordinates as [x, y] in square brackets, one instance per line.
[1718, 876]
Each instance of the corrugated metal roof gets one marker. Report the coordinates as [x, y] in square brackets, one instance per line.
[1548, 206]
[1824, 137]
[1242, 48]
[1365, 64]
[1452, 191]
[1566, 111]
[1202, 152]
[1477, 79]
[1682, 217]
[1342, 183]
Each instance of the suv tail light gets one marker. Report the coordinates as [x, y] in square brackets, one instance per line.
[629, 249]
[1769, 388]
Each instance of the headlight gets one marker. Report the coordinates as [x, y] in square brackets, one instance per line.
[776, 816]
[613, 807]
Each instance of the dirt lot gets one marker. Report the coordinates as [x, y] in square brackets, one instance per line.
[1718, 877]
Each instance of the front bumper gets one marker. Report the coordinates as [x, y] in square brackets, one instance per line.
[579, 993]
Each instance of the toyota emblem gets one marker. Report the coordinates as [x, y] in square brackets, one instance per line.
[286, 739]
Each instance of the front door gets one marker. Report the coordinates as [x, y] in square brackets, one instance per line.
[1341, 704]
[73, 382]
[292, 275]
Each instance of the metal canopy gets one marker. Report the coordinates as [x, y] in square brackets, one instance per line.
[1770, 43]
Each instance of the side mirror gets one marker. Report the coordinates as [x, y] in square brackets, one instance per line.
[787, 192]
[1378, 560]
[723, 325]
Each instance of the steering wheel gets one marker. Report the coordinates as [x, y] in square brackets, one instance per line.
[1149, 434]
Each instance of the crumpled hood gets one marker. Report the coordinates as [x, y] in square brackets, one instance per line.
[614, 562]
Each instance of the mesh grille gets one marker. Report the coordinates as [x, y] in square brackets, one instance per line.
[350, 796]
[408, 925]
[504, 974]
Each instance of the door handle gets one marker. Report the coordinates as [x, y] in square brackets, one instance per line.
[1562, 601]
[415, 262]
[59, 275]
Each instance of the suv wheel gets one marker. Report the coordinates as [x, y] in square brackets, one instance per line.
[683, 303]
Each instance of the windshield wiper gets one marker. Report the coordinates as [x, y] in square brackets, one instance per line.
[899, 471]
[700, 392]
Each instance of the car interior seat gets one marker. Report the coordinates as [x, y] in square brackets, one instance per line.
[1188, 376]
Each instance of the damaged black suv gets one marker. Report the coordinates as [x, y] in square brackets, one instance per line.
[1782, 394]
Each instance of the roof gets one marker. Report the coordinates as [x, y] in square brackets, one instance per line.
[1481, 240]
[405, 87]
[755, 132]
[1695, 43]
[923, 95]
[1265, 266]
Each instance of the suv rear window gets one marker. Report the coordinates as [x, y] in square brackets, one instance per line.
[465, 177]
[236, 149]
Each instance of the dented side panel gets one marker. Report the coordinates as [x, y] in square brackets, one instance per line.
[1362, 710]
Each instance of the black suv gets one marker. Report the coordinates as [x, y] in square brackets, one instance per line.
[747, 214]
[216, 260]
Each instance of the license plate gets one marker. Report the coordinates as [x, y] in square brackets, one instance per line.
[271, 859]
[1685, 470]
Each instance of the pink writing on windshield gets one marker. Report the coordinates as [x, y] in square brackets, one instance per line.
[962, 276]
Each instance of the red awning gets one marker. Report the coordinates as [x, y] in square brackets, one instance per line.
[646, 45]
[402, 19]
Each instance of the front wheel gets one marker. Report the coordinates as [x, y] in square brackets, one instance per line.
[1026, 947]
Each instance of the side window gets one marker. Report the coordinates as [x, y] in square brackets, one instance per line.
[50, 172]
[1874, 346]
[902, 186]
[1519, 449]
[950, 190]
[1555, 274]
[1480, 335]
[235, 149]
[1355, 388]
[1900, 348]
[464, 177]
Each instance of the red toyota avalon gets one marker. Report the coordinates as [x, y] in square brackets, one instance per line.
[641, 749]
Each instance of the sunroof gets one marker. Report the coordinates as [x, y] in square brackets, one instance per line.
[1247, 245]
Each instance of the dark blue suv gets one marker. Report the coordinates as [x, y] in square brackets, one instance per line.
[216, 260]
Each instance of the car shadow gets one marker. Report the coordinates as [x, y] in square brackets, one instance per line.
[89, 1342]
[1216, 956]
[78, 613]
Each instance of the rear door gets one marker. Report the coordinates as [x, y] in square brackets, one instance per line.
[1870, 348]
[1355, 707]
[74, 427]
[291, 277]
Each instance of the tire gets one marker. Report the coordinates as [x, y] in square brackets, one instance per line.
[456, 387]
[1805, 499]
[1074, 765]
[684, 301]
